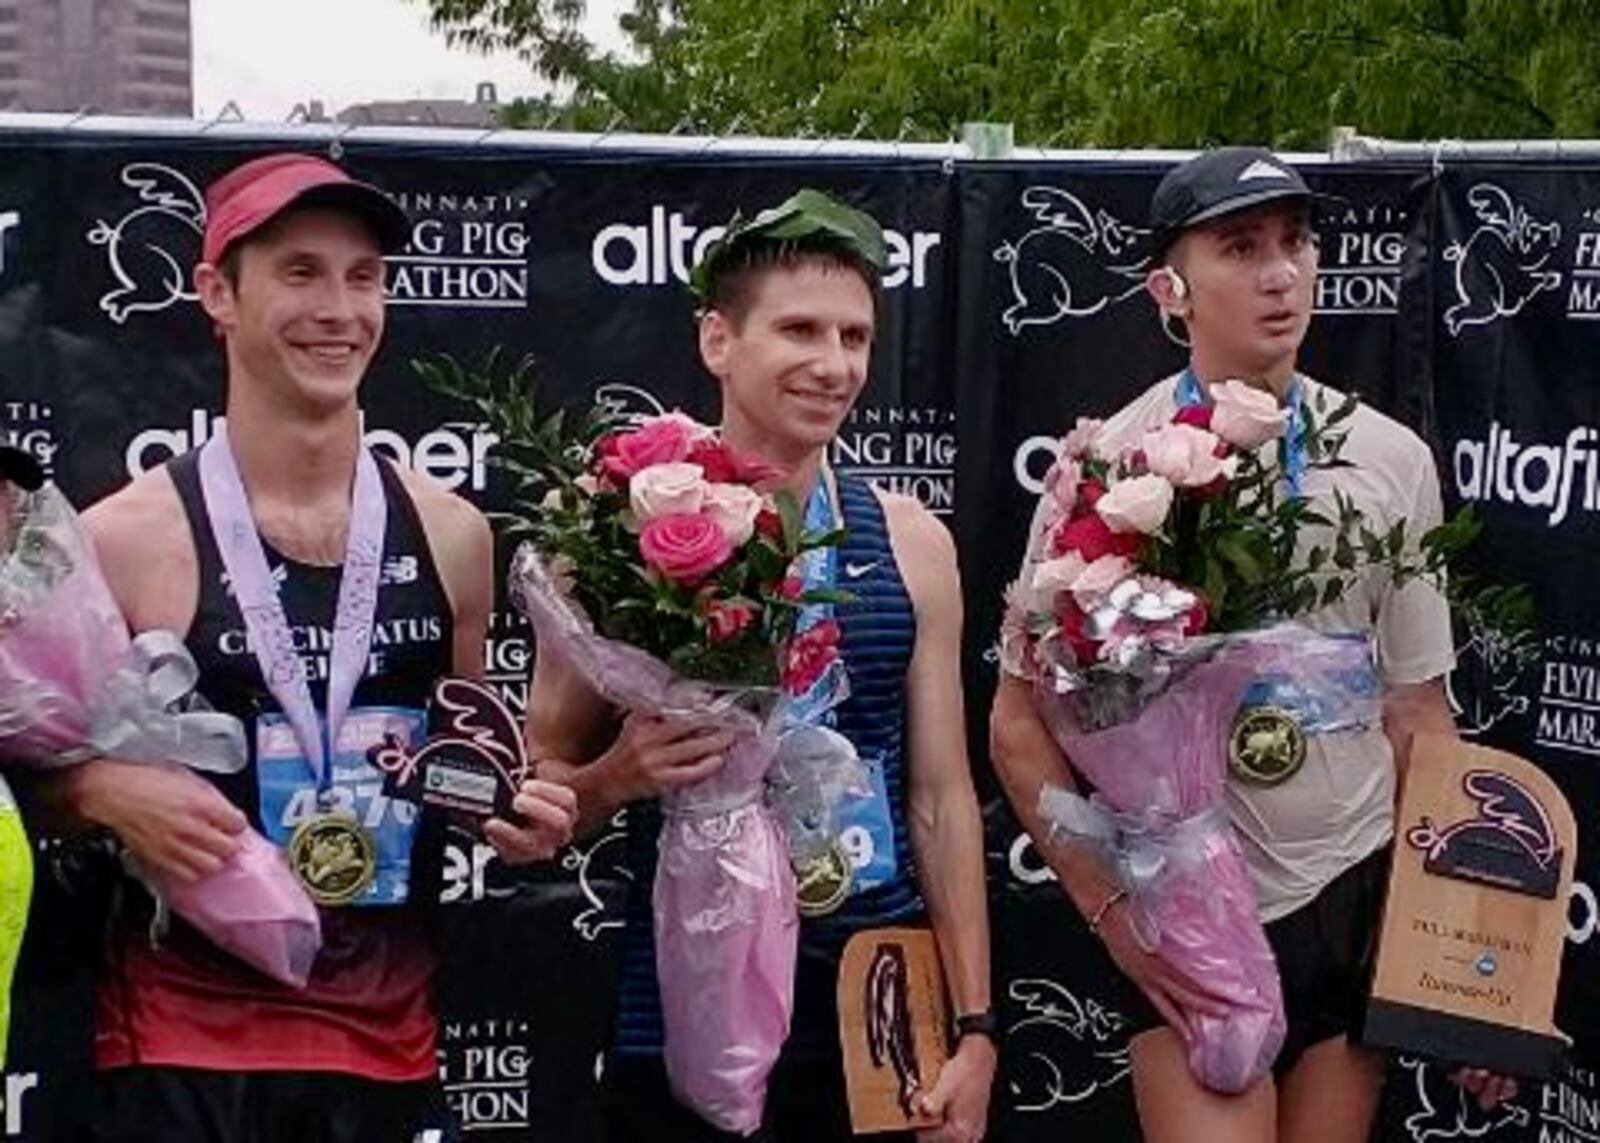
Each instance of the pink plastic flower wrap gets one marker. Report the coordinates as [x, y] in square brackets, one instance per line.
[1152, 738]
[1157, 813]
[726, 926]
[74, 685]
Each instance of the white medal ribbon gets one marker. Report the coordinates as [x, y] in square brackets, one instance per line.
[239, 545]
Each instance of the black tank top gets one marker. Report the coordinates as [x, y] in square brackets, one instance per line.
[367, 1009]
[411, 637]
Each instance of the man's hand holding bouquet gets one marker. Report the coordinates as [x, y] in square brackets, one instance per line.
[1161, 584]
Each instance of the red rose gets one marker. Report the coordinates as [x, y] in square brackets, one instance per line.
[770, 525]
[792, 587]
[1091, 537]
[713, 456]
[1194, 622]
[1197, 415]
[661, 441]
[684, 548]
[1071, 618]
[726, 620]
[1089, 492]
[808, 655]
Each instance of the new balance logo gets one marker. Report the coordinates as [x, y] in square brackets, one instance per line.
[399, 569]
[1261, 169]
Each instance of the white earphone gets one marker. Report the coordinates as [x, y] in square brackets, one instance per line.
[1180, 288]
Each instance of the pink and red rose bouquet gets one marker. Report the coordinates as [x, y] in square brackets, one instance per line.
[1161, 575]
[660, 566]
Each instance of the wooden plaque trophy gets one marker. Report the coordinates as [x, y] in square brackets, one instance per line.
[893, 1026]
[1476, 918]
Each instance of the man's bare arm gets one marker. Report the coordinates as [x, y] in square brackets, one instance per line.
[945, 825]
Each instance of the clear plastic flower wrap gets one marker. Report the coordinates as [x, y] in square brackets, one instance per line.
[1152, 738]
[75, 685]
[724, 897]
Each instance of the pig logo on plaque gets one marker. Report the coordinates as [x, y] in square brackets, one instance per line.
[472, 764]
[893, 1024]
[1511, 843]
[1470, 952]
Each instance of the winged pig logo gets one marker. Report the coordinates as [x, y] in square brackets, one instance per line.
[1075, 263]
[152, 248]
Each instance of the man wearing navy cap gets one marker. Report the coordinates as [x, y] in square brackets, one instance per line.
[1235, 264]
[321, 591]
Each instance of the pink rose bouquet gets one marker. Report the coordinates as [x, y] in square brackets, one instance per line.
[660, 567]
[1159, 586]
[74, 684]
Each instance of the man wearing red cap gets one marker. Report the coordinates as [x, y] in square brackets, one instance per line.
[321, 591]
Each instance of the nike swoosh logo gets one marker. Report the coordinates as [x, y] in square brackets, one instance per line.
[856, 571]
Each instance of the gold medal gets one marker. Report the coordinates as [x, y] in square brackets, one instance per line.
[1266, 746]
[333, 858]
[823, 882]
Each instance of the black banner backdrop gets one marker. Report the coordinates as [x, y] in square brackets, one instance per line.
[1457, 299]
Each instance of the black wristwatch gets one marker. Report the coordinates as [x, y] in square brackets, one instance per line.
[984, 1023]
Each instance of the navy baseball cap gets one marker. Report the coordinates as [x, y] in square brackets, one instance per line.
[1218, 183]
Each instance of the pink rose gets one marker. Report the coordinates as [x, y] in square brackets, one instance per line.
[735, 508]
[1062, 482]
[1077, 443]
[693, 429]
[659, 441]
[667, 490]
[1053, 576]
[1094, 582]
[1137, 504]
[685, 549]
[1186, 456]
[726, 620]
[1244, 416]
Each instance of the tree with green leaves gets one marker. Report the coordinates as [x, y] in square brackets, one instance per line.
[1103, 73]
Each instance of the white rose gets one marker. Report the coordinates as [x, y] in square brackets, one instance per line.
[1092, 584]
[1186, 455]
[1244, 416]
[734, 507]
[667, 490]
[1137, 504]
[1053, 576]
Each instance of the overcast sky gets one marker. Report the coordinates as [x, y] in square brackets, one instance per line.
[268, 55]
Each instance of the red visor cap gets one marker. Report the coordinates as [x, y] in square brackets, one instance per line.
[248, 197]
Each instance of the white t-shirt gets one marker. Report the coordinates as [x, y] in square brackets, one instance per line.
[1299, 835]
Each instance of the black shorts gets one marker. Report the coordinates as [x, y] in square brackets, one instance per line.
[1326, 951]
[190, 1105]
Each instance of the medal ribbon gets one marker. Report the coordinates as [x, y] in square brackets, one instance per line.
[1291, 446]
[256, 592]
[819, 571]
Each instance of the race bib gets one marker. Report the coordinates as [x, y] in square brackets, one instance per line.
[289, 794]
[866, 833]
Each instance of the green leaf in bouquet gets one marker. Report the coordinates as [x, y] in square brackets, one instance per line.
[1235, 549]
[813, 540]
[827, 595]
[1344, 553]
[789, 513]
[1331, 591]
